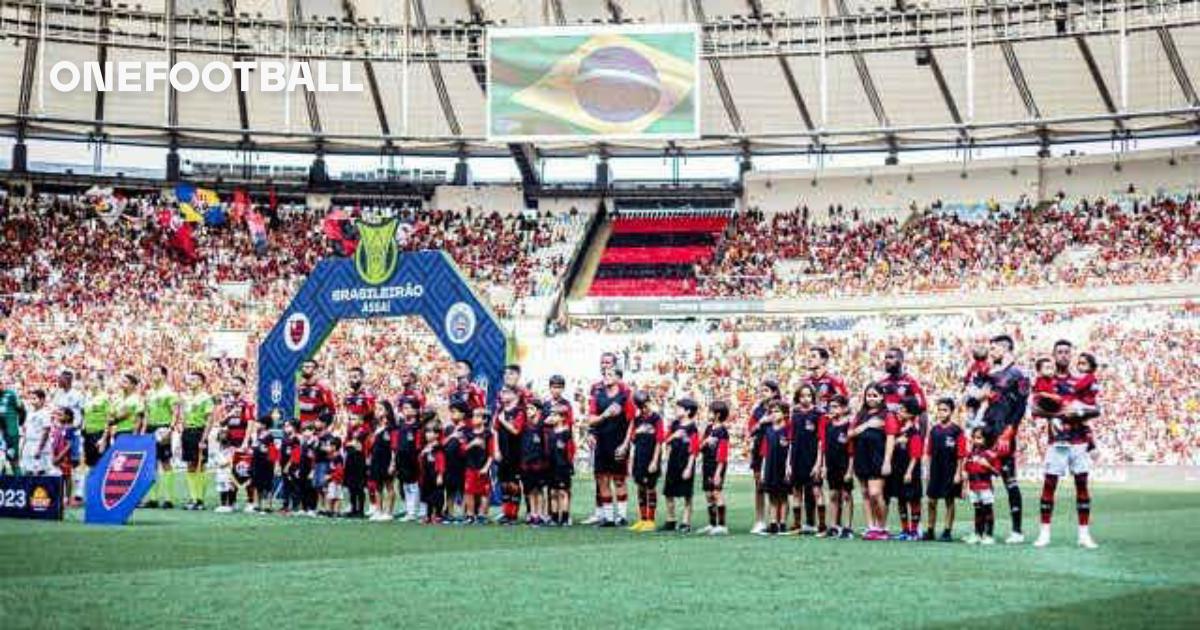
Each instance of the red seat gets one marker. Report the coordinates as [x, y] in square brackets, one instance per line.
[632, 225]
[656, 255]
[638, 287]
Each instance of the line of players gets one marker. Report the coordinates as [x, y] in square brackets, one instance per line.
[527, 447]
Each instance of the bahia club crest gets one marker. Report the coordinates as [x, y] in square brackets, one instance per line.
[377, 254]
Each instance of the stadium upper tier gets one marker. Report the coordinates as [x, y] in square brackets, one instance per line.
[775, 74]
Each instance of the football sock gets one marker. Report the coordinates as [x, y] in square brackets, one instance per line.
[914, 512]
[411, 498]
[810, 505]
[821, 517]
[669, 526]
[623, 506]
[1014, 502]
[1049, 485]
[200, 481]
[170, 486]
[651, 502]
[1083, 500]
[797, 515]
[989, 523]
[721, 515]
[189, 483]
[712, 514]
[979, 519]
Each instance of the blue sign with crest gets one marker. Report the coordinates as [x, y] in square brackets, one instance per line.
[121, 479]
[379, 282]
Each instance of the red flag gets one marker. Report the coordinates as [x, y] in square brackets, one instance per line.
[332, 225]
[183, 241]
[240, 205]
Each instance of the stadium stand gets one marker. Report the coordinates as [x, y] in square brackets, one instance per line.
[77, 278]
[654, 253]
[1089, 243]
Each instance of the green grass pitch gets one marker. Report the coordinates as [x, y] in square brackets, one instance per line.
[183, 569]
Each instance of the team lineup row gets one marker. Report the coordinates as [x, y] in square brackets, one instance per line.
[806, 452]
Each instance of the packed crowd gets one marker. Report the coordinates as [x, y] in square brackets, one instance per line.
[72, 277]
[1088, 243]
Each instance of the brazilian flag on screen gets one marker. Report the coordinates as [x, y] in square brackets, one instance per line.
[572, 83]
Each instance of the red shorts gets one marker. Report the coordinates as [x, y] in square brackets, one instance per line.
[477, 483]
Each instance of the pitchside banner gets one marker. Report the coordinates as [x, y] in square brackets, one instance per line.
[38, 497]
[121, 479]
[593, 82]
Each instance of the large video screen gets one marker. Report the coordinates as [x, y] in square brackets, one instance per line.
[593, 83]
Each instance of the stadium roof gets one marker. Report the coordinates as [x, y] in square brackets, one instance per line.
[777, 75]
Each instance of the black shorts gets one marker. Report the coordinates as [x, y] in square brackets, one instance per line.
[942, 486]
[800, 481]
[406, 469]
[837, 480]
[508, 473]
[263, 475]
[605, 461]
[709, 483]
[91, 447]
[534, 479]
[379, 470]
[561, 479]
[191, 445]
[641, 468]
[802, 467]
[455, 480]
[895, 487]
[647, 480]
[162, 449]
[675, 486]
[868, 459]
